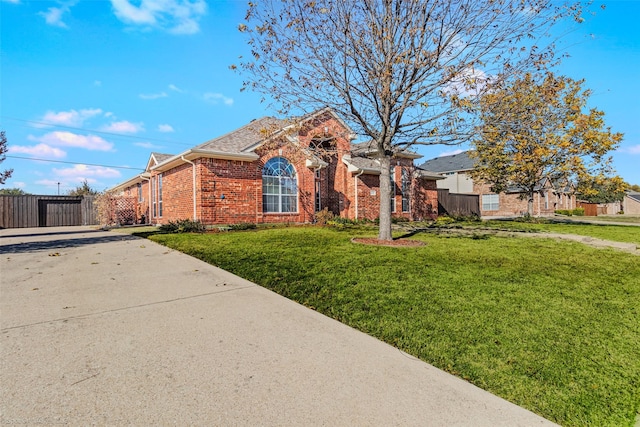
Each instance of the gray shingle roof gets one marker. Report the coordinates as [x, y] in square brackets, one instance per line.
[633, 195]
[160, 157]
[365, 163]
[453, 163]
[238, 140]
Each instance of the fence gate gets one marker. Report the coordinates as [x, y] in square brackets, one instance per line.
[59, 213]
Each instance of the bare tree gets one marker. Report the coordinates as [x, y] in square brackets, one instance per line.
[401, 72]
[4, 175]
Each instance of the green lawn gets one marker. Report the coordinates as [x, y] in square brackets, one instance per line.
[617, 233]
[551, 326]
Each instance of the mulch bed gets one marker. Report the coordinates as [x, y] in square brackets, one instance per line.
[399, 243]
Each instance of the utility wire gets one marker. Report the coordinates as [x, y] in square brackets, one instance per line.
[97, 131]
[72, 163]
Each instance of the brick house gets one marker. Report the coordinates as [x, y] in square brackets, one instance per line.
[548, 197]
[273, 170]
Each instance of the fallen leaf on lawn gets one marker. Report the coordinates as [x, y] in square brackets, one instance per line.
[54, 254]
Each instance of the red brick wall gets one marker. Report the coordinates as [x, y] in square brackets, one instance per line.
[512, 205]
[230, 192]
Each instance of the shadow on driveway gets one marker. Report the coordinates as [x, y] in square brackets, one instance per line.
[62, 243]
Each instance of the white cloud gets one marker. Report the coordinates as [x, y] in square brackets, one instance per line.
[82, 172]
[53, 15]
[450, 153]
[18, 184]
[50, 183]
[11, 1]
[147, 145]
[215, 98]
[165, 128]
[175, 16]
[40, 150]
[124, 126]
[634, 149]
[175, 88]
[71, 117]
[69, 139]
[153, 95]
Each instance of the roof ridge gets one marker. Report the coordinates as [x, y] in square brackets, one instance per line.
[235, 131]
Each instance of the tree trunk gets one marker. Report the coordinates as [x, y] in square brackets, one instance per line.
[384, 230]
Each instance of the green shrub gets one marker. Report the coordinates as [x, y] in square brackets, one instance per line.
[444, 219]
[398, 219]
[183, 226]
[578, 211]
[243, 226]
[564, 212]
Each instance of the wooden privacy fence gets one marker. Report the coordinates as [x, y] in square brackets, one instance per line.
[590, 209]
[46, 211]
[458, 204]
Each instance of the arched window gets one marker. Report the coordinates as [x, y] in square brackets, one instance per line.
[279, 186]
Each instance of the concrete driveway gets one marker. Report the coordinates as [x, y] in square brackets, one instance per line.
[100, 328]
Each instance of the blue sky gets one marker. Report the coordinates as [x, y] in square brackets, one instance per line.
[98, 85]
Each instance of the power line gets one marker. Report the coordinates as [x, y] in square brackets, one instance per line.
[72, 163]
[119, 135]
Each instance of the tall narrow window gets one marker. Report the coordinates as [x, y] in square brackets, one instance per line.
[392, 178]
[318, 197]
[546, 200]
[153, 196]
[140, 199]
[406, 188]
[160, 195]
[279, 186]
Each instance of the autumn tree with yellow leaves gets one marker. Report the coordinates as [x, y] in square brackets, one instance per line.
[536, 128]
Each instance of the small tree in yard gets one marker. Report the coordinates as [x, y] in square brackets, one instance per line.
[535, 129]
[4, 175]
[401, 72]
[84, 189]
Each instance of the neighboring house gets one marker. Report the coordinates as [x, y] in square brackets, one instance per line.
[631, 203]
[456, 169]
[272, 170]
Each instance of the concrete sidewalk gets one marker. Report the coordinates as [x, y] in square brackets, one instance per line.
[100, 328]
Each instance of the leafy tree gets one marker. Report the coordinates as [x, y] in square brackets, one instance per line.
[12, 191]
[602, 189]
[537, 129]
[401, 72]
[4, 175]
[83, 189]
[633, 187]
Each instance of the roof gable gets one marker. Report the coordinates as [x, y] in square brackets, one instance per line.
[157, 158]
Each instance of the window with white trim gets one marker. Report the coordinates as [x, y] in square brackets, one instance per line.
[279, 187]
[160, 195]
[140, 199]
[392, 178]
[153, 196]
[406, 187]
[490, 202]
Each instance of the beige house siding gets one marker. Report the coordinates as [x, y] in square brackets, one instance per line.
[630, 206]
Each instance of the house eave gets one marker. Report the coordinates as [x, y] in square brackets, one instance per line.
[356, 169]
[131, 182]
[193, 154]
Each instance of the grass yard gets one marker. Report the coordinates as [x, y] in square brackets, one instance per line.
[631, 219]
[551, 326]
[616, 233]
